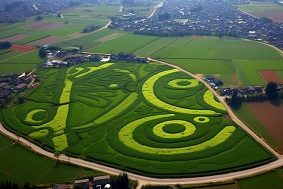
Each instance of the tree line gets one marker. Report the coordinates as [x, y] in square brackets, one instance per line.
[271, 93]
[5, 45]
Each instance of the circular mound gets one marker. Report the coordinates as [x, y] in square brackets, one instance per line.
[36, 116]
[201, 119]
[183, 83]
[159, 131]
[174, 128]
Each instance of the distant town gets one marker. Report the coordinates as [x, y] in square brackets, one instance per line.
[204, 17]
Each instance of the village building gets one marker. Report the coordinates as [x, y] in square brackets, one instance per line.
[100, 182]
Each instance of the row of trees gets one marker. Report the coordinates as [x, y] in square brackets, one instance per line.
[177, 33]
[271, 93]
[5, 45]
[11, 185]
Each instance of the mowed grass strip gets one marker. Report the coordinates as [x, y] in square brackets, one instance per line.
[114, 46]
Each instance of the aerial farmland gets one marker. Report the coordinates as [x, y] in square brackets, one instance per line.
[83, 96]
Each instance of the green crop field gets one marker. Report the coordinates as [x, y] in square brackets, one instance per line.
[261, 8]
[236, 61]
[20, 165]
[133, 42]
[144, 118]
[263, 181]
[19, 62]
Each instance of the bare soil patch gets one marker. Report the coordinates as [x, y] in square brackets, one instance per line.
[270, 75]
[22, 48]
[270, 116]
[197, 37]
[14, 37]
[46, 41]
[275, 17]
[108, 37]
[43, 25]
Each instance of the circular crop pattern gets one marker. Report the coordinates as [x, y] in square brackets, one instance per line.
[189, 129]
[36, 116]
[201, 119]
[147, 118]
[183, 83]
[126, 137]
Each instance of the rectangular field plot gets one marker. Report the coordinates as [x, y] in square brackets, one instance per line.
[270, 10]
[249, 71]
[25, 58]
[214, 48]
[20, 165]
[18, 68]
[154, 46]
[130, 41]
[205, 66]
[88, 40]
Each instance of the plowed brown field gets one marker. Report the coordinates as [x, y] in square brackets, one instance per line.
[270, 116]
[14, 37]
[22, 48]
[270, 75]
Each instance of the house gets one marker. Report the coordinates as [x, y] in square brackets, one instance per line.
[100, 182]
[20, 88]
[60, 186]
[5, 94]
[83, 183]
[3, 84]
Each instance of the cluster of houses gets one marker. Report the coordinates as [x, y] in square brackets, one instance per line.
[13, 83]
[82, 58]
[101, 182]
[213, 81]
[216, 83]
[16, 11]
[229, 90]
[127, 57]
[204, 17]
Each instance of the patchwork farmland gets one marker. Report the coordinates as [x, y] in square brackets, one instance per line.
[139, 116]
[147, 119]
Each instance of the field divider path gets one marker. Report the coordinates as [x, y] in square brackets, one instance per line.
[162, 47]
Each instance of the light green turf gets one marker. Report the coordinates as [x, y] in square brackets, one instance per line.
[158, 129]
[208, 97]
[126, 137]
[148, 92]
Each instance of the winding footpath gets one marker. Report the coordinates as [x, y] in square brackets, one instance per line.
[159, 181]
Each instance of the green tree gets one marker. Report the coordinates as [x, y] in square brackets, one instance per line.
[271, 90]
[42, 53]
[234, 99]
[120, 182]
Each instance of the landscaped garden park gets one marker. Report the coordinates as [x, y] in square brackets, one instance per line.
[145, 118]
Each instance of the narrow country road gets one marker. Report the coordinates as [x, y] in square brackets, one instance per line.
[158, 181]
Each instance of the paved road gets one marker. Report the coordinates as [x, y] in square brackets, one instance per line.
[157, 181]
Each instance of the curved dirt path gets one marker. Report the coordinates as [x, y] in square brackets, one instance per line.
[159, 181]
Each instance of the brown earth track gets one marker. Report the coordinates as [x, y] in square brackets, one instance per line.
[270, 75]
[196, 37]
[14, 37]
[270, 116]
[43, 25]
[46, 41]
[22, 48]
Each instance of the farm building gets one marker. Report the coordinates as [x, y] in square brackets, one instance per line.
[84, 183]
[19, 88]
[100, 182]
